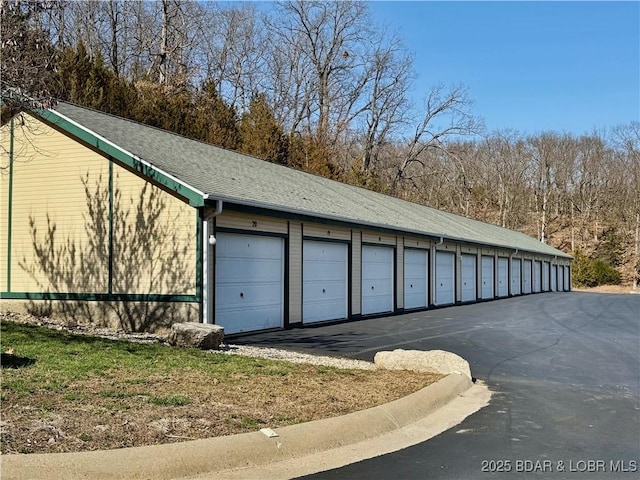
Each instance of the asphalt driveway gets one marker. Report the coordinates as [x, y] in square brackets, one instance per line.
[564, 369]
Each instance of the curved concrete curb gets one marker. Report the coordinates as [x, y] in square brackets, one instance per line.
[198, 457]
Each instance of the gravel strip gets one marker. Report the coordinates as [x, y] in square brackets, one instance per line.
[229, 349]
[295, 357]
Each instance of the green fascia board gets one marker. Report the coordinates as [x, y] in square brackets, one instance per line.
[195, 198]
[100, 297]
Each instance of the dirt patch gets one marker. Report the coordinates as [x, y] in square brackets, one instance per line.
[607, 289]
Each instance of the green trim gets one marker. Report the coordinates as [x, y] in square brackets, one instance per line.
[50, 116]
[100, 297]
[10, 202]
[199, 255]
[110, 266]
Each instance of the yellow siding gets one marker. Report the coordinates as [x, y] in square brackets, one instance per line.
[154, 238]
[416, 243]
[325, 231]
[356, 275]
[51, 215]
[295, 272]
[4, 204]
[256, 223]
[380, 238]
[446, 247]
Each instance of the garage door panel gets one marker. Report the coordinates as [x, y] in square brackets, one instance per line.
[537, 275]
[468, 271]
[503, 276]
[377, 279]
[248, 246]
[415, 279]
[545, 276]
[526, 276]
[249, 282]
[515, 277]
[243, 270]
[445, 278]
[324, 271]
[324, 284]
[258, 293]
[487, 277]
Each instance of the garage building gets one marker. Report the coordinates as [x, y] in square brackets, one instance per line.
[119, 223]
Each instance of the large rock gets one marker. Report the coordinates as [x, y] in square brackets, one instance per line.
[196, 335]
[433, 361]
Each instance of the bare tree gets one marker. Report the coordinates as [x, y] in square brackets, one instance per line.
[28, 59]
[627, 139]
[326, 46]
[446, 116]
[231, 52]
[384, 115]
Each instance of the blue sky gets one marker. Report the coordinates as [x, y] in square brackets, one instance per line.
[529, 66]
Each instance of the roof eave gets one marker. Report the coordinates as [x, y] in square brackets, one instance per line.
[349, 221]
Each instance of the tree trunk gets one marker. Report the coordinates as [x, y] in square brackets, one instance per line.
[636, 253]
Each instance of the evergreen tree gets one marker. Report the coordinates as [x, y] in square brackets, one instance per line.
[89, 83]
[168, 107]
[214, 121]
[260, 133]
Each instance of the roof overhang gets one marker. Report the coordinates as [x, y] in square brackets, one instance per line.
[145, 169]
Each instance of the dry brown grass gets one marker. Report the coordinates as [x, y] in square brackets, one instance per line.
[89, 394]
[606, 289]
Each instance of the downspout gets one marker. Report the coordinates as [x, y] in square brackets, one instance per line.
[208, 242]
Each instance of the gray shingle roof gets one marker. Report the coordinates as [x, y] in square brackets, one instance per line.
[245, 180]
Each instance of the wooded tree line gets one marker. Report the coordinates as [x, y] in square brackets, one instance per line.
[318, 86]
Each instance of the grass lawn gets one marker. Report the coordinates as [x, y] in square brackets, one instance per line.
[63, 392]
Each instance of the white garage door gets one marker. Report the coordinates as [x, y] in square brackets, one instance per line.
[445, 275]
[526, 276]
[537, 275]
[468, 263]
[503, 276]
[554, 277]
[324, 281]
[249, 282]
[415, 278]
[487, 277]
[377, 279]
[567, 278]
[545, 276]
[515, 276]
[560, 278]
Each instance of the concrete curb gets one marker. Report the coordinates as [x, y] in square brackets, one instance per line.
[199, 457]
